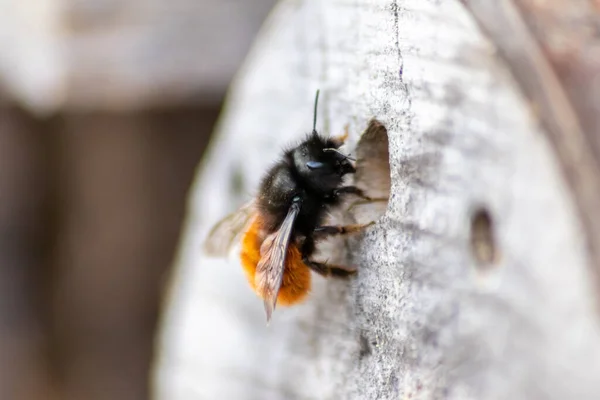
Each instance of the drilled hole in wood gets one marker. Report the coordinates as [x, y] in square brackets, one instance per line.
[373, 167]
[483, 241]
[365, 347]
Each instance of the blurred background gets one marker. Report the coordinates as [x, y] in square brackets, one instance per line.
[106, 108]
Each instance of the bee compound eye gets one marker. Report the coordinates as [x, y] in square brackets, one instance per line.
[314, 165]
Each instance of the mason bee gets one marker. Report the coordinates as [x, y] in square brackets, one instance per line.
[280, 227]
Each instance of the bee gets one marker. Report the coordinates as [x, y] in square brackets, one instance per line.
[280, 227]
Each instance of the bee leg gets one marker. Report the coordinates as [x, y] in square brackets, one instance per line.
[324, 269]
[357, 192]
[341, 139]
[362, 202]
[340, 230]
[327, 270]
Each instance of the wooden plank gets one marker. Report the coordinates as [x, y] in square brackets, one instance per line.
[476, 282]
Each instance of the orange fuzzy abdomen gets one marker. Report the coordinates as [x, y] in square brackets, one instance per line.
[296, 276]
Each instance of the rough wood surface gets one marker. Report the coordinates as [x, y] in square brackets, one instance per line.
[424, 318]
[554, 53]
[116, 55]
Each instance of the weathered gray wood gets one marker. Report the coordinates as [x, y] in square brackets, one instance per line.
[554, 56]
[423, 319]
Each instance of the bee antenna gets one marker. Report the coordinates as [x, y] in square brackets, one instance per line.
[340, 153]
[315, 113]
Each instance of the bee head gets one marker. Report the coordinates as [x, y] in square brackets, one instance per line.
[320, 164]
[318, 161]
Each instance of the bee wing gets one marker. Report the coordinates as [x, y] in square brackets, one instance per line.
[269, 271]
[227, 231]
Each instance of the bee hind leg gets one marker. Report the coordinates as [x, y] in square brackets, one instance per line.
[329, 230]
[328, 270]
[324, 269]
[358, 192]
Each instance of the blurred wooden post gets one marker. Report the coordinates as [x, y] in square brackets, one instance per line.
[122, 185]
[134, 88]
[24, 184]
[481, 280]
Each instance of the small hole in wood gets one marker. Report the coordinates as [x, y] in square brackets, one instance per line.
[236, 184]
[483, 241]
[373, 167]
[365, 347]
